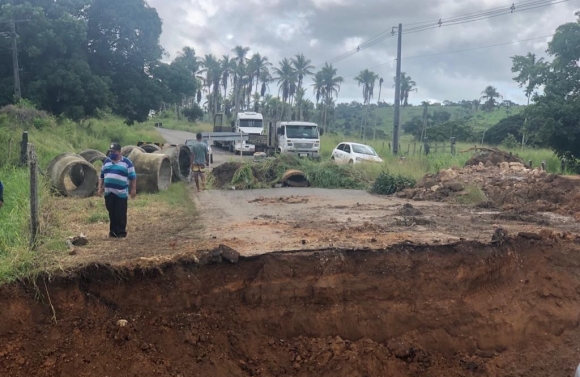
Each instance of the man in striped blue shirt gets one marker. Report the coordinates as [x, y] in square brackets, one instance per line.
[118, 182]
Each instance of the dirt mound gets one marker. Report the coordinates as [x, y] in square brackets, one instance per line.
[457, 310]
[491, 157]
[224, 173]
[510, 186]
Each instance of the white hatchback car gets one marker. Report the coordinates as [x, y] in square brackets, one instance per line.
[354, 153]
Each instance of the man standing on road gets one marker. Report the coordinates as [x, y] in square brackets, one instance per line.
[200, 159]
[118, 181]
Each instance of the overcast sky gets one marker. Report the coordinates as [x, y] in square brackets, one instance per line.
[324, 29]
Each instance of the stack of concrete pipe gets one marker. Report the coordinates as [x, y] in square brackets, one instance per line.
[153, 170]
[180, 157]
[71, 175]
[126, 151]
[93, 156]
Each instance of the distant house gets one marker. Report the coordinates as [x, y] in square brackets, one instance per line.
[151, 113]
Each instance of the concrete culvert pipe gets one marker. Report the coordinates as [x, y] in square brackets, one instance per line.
[295, 178]
[71, 175]
[180, 156]
[150, 148]
[92, 155]
[126, 150]
[153, 171]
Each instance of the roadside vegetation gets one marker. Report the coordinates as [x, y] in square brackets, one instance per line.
[52, 136]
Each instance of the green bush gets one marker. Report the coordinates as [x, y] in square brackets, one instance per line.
[193, 113]
[388, 184]
[510, 141]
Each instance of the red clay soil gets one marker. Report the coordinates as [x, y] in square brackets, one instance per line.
[509, 309]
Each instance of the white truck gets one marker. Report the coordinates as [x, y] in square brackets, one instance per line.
[249, 123]
[300, 138]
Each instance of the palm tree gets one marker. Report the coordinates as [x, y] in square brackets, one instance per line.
[407, 86]
[256, 97]
[189, 60]
[367, 79]
[380, 88]
[260, 65]
[286, 76]
[303, 69]
[213, 74]
[240, 57]
[227, 67]
[331, 87]
[318, 88]
[265, 79]
[489, 95]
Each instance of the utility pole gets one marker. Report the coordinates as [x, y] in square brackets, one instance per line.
[397, 95]
[17, 92]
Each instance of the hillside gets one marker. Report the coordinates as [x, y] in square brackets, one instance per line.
[348, 118]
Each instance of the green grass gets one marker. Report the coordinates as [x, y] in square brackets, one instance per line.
[55, 137]
[50, 138]
[98, 217]
[416, 166]
[480, 120]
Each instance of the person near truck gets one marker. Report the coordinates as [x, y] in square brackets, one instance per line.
[200, 159]
[118, 181]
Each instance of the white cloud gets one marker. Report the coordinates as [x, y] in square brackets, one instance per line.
[323, 29]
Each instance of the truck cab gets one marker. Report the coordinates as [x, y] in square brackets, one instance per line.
[301, 138]
[250, 123]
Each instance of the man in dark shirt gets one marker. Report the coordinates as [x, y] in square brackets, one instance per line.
[1, 194]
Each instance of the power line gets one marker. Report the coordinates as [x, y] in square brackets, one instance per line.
[457, 51]
[457, 20]
[446, 23]
[516, 5]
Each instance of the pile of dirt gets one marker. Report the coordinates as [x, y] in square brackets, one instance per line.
[223, 174]
[509, 186]
[491, 157]
[508, 309]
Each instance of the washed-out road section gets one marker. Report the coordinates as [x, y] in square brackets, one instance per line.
[284, 219]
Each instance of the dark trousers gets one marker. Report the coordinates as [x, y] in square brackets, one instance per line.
[117, 208]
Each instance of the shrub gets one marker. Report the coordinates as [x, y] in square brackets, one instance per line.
[388, 184]
[510, 142]
[193, 113]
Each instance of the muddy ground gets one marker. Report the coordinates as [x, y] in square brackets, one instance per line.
[509, 309]
[328, 283]
[285, 219]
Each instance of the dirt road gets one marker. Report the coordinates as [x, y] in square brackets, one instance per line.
[219, 155]
[260, 221]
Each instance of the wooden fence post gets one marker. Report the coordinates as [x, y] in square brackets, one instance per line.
[34, 223]
[24, 149]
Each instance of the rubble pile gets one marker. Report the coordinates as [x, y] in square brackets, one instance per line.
[507, 186]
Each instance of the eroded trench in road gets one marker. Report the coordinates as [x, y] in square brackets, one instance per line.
[506, 309]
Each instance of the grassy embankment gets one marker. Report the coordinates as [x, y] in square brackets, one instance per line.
[51, 138]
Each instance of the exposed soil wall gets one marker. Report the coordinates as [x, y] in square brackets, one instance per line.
[509, 309]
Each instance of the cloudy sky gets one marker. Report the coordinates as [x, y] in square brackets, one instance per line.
[324, 29]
